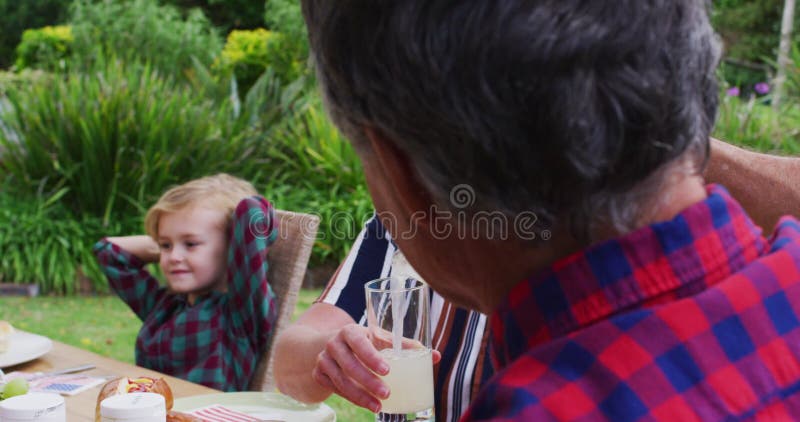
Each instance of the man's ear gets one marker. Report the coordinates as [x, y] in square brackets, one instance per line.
[398, 171]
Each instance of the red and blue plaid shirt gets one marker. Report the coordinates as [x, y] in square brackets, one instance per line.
[217, 341]
[690, 319]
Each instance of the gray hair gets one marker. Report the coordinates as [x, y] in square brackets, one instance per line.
[570, 109]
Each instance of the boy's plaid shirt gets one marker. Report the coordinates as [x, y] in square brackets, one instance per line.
[218, 341]
[686, 320]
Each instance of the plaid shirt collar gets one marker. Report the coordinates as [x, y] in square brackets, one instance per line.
[655, 264]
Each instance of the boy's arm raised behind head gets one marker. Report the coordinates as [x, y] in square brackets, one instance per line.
[141, 246]
[253, 308]
[127, 277]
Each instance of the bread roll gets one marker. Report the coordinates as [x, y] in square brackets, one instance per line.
[135, 385]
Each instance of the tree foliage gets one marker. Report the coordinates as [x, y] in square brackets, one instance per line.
[749, 28]
[228, 14]
[18, 15]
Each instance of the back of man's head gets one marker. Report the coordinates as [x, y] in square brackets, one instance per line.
[571, 109]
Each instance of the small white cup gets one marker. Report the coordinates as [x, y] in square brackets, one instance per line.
[34, 407]
[133, 407]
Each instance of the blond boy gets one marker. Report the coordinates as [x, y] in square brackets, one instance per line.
[212, 320]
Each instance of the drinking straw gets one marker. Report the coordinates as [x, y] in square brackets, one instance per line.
[396, 285]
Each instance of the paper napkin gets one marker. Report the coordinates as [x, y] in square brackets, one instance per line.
[219, 413]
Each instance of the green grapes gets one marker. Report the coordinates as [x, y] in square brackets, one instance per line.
[15, 387]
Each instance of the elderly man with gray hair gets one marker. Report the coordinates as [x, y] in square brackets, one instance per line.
[636, 292]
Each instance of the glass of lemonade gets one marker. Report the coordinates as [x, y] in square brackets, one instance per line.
[399, 323]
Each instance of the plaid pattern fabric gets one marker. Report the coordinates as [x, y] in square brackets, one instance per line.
[216, 342]
[686, 320]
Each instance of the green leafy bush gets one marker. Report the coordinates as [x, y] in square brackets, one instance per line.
[119, 137]
[247, 54]
[228, 14]
[742, 76]
[142, 31]
[318, 172]
[44, 47]
[9, 80]
[342, 214]
[44, 243]
[793, 75]
[312, 149]
[285, 16]
[19, 15]
[750, 30]
[751, 122]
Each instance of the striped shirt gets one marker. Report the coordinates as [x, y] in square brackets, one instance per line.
[460, 335]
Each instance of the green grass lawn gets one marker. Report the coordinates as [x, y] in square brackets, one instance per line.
[105, 325]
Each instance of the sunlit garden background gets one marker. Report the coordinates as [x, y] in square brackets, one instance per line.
[105, 104]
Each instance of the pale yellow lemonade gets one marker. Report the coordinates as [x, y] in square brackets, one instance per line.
[410, 380]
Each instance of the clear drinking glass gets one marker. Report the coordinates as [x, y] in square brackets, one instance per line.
[410, 377]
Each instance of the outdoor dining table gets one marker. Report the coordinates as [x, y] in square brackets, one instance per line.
[81, 407]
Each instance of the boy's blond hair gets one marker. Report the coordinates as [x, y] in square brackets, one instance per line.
[218, 192]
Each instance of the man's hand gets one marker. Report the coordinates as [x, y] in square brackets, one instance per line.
[326, 352]
[350, 365]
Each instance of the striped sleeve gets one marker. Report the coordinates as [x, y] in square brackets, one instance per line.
[370, 258]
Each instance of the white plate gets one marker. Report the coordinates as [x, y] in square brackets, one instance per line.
[23, 347]
[260, 404]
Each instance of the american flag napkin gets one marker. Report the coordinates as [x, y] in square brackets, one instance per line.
[67, 384]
